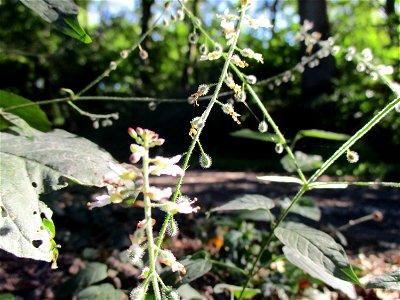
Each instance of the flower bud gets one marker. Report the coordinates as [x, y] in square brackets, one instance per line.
[132, 133]
[205, 160]
[262, 127]
[279, 148]
[352, 156]
[124, 54]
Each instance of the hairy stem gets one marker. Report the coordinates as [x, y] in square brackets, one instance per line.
[205, 115]
[269, 238]
[149, 226]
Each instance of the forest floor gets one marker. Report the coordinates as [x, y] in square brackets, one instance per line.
[374, 246]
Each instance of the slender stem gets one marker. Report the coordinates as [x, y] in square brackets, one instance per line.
[149, 225]
[111, 98]
[358, 135]
[205, 115]
[317, 184]
[278, 132]
[270, 236]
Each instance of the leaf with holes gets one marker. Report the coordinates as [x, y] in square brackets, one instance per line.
[32, 167]
[247, 202]
[318, 254]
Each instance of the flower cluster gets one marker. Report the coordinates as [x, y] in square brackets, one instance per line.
[121, 182]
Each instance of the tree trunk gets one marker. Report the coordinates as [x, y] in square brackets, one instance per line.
[316, 81]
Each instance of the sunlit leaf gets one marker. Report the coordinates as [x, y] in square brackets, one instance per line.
[390, 280]
[62, 14]
[247, 202]
[318, 254]
[17, 125]
[327, 185]
[30, 168]
[285, 179]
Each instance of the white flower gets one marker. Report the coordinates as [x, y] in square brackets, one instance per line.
[157, 194]
[251, 79]
[137, 293]
[169, 259]
[166, 166]
[227, 26]
[101, 201]
[185, 205]
[260, 22]
[135, 253]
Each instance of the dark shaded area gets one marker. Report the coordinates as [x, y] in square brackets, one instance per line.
[100, 234]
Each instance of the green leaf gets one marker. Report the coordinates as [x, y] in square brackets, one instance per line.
[256, 135]
[306, 162]
[7, 296]
[236, 290]
[94, 272]
[322, 134]
[195, 268]
[318, 254]
[247, 202]
[259, 215]
[30, 168]
[187, 292]
[32, 114]
[308, 210]
[50, 226]
[103, 291]
[386, 281]
[62, 14]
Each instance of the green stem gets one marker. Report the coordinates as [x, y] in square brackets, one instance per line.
[317, 184]
[149, 225]
[358, 135]
[111, 98]
[205, 115]
[270, 236]
[274, 126]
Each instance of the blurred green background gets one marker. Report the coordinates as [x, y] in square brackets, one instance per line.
[36, 61]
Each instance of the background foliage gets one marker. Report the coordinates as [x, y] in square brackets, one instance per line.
[37, 61]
